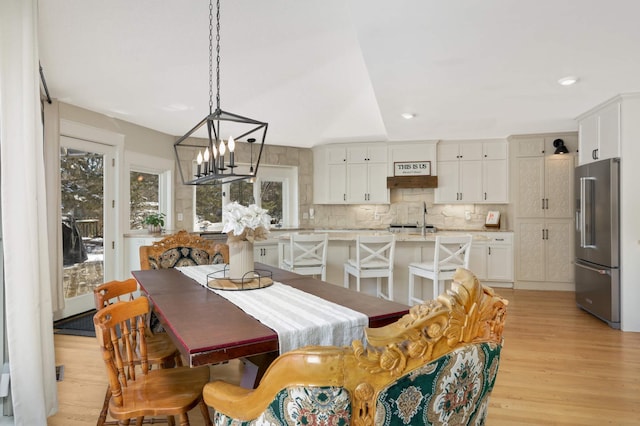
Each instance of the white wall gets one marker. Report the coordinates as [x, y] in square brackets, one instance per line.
[630, 215]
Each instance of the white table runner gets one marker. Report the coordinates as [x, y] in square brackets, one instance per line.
[299, 318]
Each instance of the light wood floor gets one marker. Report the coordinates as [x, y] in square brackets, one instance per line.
[559, 366]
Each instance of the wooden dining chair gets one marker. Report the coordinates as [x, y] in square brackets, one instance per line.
[437, 365]
[182, 249]
[137, 390]
[161, 352]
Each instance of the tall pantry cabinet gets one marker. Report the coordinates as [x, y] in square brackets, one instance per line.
[544, 212]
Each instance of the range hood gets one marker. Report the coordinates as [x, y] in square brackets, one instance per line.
[394, 182]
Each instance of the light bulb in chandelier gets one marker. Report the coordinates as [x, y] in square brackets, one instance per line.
[232, 148]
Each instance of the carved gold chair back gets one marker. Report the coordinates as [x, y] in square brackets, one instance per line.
[182, 249]
[436, 365]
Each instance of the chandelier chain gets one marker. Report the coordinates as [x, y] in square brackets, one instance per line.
[210, 57]
[218, 55]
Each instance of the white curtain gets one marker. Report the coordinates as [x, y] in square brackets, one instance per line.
[24, 217]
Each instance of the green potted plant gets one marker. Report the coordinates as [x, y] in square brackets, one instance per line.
[154, 222]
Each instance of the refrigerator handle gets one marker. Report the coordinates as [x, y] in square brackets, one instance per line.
[599, 271]
[583, 213]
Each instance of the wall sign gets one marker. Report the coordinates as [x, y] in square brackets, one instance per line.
[412, 168]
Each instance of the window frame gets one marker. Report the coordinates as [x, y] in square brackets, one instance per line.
[288, 175]
[164, 168]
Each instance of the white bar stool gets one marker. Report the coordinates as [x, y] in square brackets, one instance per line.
[450, 253]
[307, 255]
[374, 259]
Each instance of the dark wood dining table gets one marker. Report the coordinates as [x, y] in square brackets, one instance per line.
[208, 329]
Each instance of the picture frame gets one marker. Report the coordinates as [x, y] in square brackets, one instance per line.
[412, 168]
[493, 219]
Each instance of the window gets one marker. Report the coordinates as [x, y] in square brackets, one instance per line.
[275, 189]
[144, 190]
[272, 196]
[208, 206]
[150, 188]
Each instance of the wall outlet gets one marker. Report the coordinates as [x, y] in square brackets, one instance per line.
[467, 215]
[376, 216]
[311, 213]
[180, 217]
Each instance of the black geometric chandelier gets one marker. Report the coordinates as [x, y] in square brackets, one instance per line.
[217, 161]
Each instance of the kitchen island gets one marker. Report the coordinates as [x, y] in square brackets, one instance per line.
[491, 256]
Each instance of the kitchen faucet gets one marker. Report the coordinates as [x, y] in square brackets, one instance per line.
[424, 218]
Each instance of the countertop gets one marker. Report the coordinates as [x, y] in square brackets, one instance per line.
[350, 235]
[345, 234]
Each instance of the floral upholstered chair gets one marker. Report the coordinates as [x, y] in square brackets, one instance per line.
[182, 249]
[436, 365]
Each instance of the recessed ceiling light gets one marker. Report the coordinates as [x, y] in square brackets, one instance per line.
[408, 115]
[568, 80]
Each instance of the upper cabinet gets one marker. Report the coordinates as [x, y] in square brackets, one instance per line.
[472, 172]
[544, 180]
[367, 174]
[350, 174]
[600, 132]
[330, 174]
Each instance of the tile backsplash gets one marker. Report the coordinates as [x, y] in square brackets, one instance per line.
[405, 208]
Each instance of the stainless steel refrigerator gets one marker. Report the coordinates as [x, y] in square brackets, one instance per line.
[597, 265]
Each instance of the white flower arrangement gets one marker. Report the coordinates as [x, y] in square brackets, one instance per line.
[245, 223]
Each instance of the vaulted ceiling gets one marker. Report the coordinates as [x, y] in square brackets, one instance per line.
[345, 70]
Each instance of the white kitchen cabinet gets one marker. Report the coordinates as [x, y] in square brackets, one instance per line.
[495, 185]
[478, 259]
[546, 250]
[337, 174]
[367, 174]
[266, 252]
[351, 174]
[500, 258]
[544, 212]
[496, 150]
[330, 174]
[491, 260]
[545, 186]
[461, 151]
[413, 151]
[600, 132]
[472, 172]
